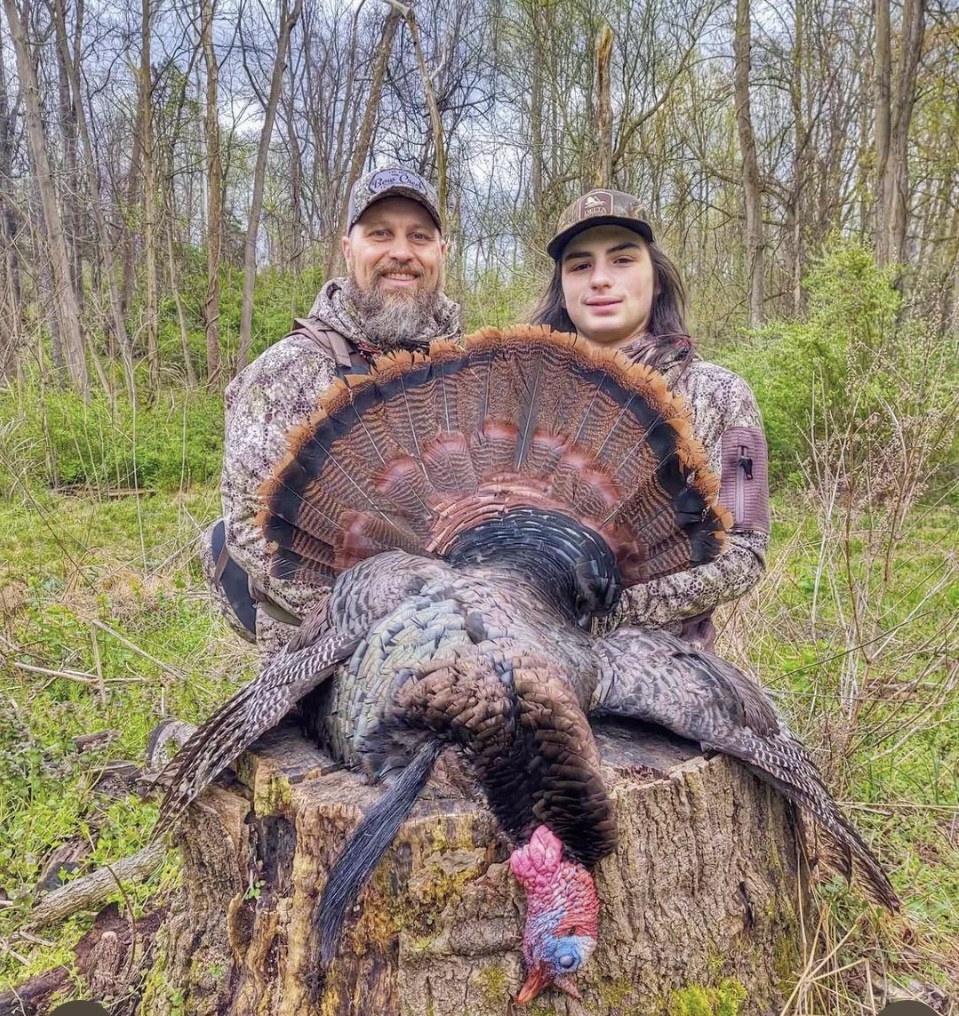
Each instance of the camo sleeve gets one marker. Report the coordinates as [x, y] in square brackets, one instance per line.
[275, 394]
[728, 422]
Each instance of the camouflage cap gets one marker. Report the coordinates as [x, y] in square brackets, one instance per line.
[599, 208]
[392, 182]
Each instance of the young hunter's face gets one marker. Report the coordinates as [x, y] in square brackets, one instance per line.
[395, 247]
[608, 284]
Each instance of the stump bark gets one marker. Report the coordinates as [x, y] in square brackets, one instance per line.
[700, 902]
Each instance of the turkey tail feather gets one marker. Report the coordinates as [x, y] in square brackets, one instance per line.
[367, 845]
[786, 767]
[425, 448]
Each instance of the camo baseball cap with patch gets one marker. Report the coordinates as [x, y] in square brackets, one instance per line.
[392, 182]
[599, 208]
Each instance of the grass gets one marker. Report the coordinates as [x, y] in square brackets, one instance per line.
[882, 717]
[94, 587]
[855, 632]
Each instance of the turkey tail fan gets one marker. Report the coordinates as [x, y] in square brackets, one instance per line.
[426, 447]
[367, 845]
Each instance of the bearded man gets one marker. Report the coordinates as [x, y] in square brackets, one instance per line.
[391, 299]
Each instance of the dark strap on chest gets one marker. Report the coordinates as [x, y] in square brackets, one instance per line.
[346, 356]
[243, 592]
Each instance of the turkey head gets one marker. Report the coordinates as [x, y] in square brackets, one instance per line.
[562, 915]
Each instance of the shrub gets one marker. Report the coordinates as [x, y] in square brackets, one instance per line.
[54, 437]
[855, 370]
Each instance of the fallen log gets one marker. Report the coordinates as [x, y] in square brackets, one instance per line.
[90, 892]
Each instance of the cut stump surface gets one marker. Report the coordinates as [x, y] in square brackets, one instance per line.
[700, 902]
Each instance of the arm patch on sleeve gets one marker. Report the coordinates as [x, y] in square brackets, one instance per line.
[745, 478]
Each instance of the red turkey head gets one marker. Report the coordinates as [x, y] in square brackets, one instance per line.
[562, 915]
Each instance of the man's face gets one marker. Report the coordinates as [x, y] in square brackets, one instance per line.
[396, 248]
[608, 284]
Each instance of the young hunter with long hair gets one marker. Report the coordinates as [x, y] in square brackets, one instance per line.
[614, 286]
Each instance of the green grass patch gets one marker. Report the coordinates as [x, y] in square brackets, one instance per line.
[99, 588]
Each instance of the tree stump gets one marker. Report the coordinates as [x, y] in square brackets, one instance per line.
[700, 902]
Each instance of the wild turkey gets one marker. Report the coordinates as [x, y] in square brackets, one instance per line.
[480, 507]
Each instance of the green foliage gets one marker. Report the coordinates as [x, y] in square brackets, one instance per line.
[172, 438]
[724, 1000]
[53, 437]
[67, 564]
[855, 641]
[278, 297]
[67, 561]
[854, 363]
[497, 300]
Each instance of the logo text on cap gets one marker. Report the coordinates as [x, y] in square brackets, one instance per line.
[387, 178]
[597, 204]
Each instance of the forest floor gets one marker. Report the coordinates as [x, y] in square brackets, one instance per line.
[105, 628]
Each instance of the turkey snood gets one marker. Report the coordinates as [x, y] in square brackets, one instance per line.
[562, 915]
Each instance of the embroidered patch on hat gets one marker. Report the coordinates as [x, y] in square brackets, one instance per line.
[387, 178]
[596, 203]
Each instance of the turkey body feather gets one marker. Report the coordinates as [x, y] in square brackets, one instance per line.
[477, 509]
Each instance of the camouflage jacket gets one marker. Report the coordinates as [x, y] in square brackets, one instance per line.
[276, 393]
[726, 420]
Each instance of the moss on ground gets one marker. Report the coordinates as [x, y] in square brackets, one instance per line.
[723, 1000]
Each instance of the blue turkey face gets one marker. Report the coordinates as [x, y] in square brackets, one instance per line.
[567, 954]
[555, 961]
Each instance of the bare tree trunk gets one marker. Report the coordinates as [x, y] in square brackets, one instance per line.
[129, 233]
[361, 149]
[292, 250]
[70, 189]
[883, 89]
[180, 312]
[541, 232]
[436, 119]
[66, 307]
[93, 187]
[796, 199]
[287, 23]
[752, 190]
[214, 198]
[603, 172]
[150, 311]
[10, 301]
[895, 100]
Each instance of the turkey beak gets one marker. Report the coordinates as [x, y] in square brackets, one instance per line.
[539, 978]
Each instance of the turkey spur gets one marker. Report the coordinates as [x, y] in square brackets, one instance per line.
[478, 508]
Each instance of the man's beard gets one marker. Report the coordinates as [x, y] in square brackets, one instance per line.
[395, 319]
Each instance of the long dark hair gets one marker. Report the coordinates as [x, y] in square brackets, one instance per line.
[667, 316]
